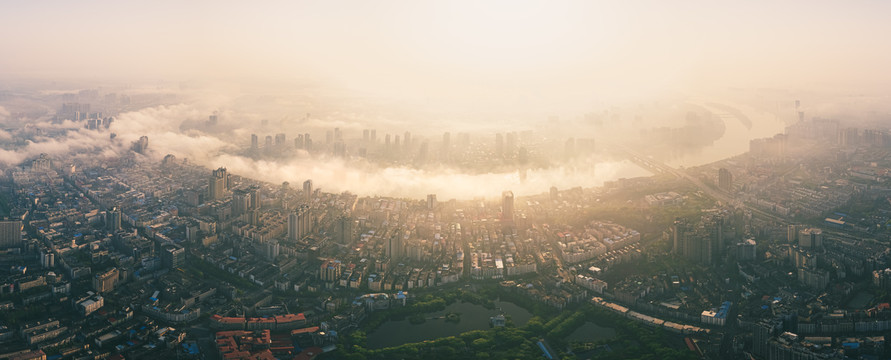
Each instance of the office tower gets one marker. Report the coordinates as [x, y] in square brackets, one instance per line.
[173, 256]
[366, 135]
[10, 233]
[725, 180]
[511, 143]
[307, 190]
[373, 135]
[212, 120]
[268, 143]
[338, 136]
[329, 137]
[499, 144]
[407, 139]
[298, 141]
[387, 143]
[431, 201]
[113, 220]
[507, 207]
[280, 140]
[307, 142]
[218, 184]
[396, 141]
[255, 143]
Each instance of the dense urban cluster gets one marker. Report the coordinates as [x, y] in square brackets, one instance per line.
[778, 253]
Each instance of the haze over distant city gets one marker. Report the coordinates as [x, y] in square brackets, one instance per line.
[613, 73]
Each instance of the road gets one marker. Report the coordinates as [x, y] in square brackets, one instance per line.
[658, 167]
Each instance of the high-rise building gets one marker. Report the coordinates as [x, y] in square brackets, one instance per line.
[701, 242]
[365, 135]
[725, 180]
[746, 250]
[507, 207]
[307, 142]
[293, 235]
[280, 140]
[792, 233]
[394, 245]
[407, 139]
[678, 229]
[271, 250]
[218, 184]
[105, 282]
[10, 233]
[113, 219]
[173, 256]
[255, 143]
[140, 146]
[431, 201]
[811, 238]
[255, 197]
[343, 230]
[307, 190]
[330, 270]
[760, 338]
[241, 201]
[299, 223]
[47, 259]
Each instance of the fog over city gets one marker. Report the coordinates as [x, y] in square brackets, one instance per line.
[616, 74]
[459, 179]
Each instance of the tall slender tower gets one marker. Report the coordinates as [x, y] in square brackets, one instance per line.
[507, 207]
[307, 190]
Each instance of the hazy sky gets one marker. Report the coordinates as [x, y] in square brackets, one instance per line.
[508, 51]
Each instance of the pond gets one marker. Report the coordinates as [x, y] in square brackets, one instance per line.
[472, 317]
[591, 332]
